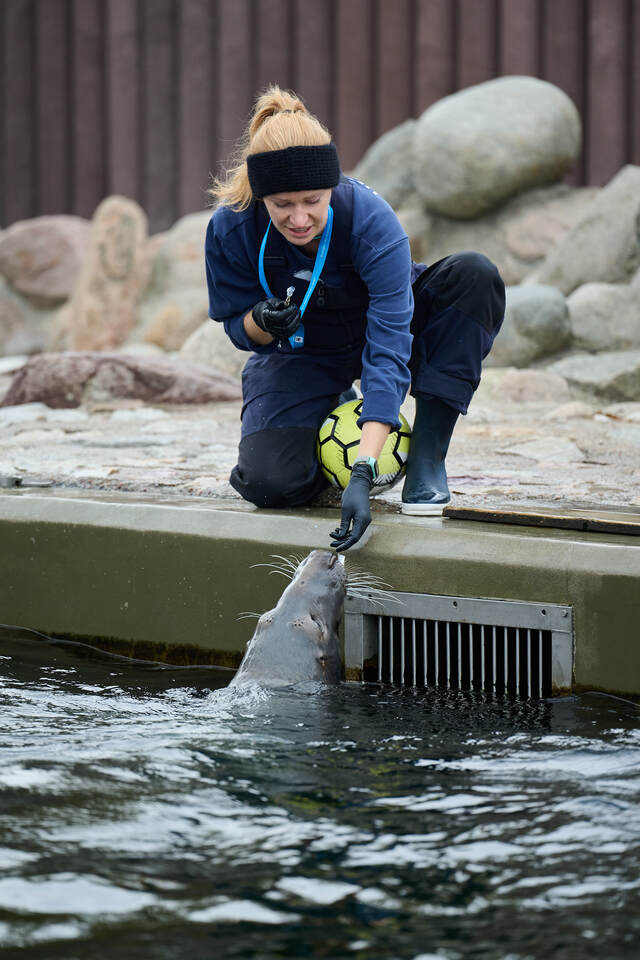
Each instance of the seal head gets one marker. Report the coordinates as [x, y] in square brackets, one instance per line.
[298, 640]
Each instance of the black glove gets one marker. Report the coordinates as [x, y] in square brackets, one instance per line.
[355, 508]
[275, 318]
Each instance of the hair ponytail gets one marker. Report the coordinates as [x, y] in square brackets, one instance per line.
[279, 120]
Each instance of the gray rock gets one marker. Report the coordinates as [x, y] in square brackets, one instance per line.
[175, 303]
[41, 258]
[572, 410]
[536, 325]
[605, 317]
[480, 146]
[12, 363]
[612, 376]
[211, 346]
[178, 256]
[23, 327]
[629, 411]
[508, 385]
[102, 310]
[169, 320]
[68, 379]
[387, 166]
[548, 449]
[604, 245]
[26, 413]
[517, 236]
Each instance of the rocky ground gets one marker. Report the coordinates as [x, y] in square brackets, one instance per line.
[526, 440]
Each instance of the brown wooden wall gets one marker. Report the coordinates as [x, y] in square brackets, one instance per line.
[145, 97]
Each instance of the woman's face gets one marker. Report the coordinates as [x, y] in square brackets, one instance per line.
[300, 215]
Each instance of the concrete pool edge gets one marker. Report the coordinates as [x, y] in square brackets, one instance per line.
[175, 572]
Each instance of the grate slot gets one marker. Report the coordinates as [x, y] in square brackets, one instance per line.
[505, 647]
[459, 656]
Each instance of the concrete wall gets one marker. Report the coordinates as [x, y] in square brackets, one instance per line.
[178, 573]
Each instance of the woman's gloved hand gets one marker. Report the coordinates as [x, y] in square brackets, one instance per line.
[275, 318]
[356, 513]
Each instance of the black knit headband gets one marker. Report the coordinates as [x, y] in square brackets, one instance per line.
[295, 168]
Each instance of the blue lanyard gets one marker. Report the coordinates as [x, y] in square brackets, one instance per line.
[297, 339]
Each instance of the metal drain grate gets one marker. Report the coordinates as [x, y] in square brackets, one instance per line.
[502, 646]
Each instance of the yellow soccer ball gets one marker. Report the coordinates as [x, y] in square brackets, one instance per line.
[338, 442]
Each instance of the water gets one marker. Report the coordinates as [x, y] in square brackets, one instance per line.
[149, 815]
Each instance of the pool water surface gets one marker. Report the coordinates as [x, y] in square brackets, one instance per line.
[157, 814]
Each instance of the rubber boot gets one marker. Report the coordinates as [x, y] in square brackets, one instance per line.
[351, 394]
[425, 490]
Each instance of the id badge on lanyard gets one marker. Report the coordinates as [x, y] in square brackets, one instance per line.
[297, 337]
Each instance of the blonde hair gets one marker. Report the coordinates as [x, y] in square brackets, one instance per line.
[279, 120]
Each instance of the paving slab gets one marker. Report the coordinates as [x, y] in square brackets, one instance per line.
[506, 451]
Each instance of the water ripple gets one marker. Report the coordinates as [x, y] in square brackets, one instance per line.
[364, 822]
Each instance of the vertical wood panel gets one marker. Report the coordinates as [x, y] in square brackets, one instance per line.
[518, 41]
[477, 41]
[52, 107]
[394, 63]
[354, 113]
[607, 71]
[159, 112]
[435, 52]
[144, 97]
[88, 101]
[195, 106]
[18, 187]
[313, 56]
[634, 80]
[123, 98]
[273, 43]
[563, 58]
[563, 46]
[235, 73]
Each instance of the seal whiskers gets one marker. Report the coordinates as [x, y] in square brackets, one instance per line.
[370, 587]
[286, 566]
[360, 583]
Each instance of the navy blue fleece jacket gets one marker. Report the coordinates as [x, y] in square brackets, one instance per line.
[380, 255]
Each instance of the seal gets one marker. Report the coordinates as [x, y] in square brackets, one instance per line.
[298, 640]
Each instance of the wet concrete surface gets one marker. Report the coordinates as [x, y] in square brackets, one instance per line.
[514, 447]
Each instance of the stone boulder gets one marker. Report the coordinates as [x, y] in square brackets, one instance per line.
[175, 302]
[604, 245]
[517, 236]
[178, 260]
[211, 346]
[478, 147]
[102, 310]
[69, 379]
[612, 376]
[508, 385]
[41, 258]
[605, 317]
[23, 328]
[387, 166]
[536, 325]
[180, 314]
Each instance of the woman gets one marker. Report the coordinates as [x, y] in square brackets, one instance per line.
[312, 272]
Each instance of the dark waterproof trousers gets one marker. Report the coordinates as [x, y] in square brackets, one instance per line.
[459, 308]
